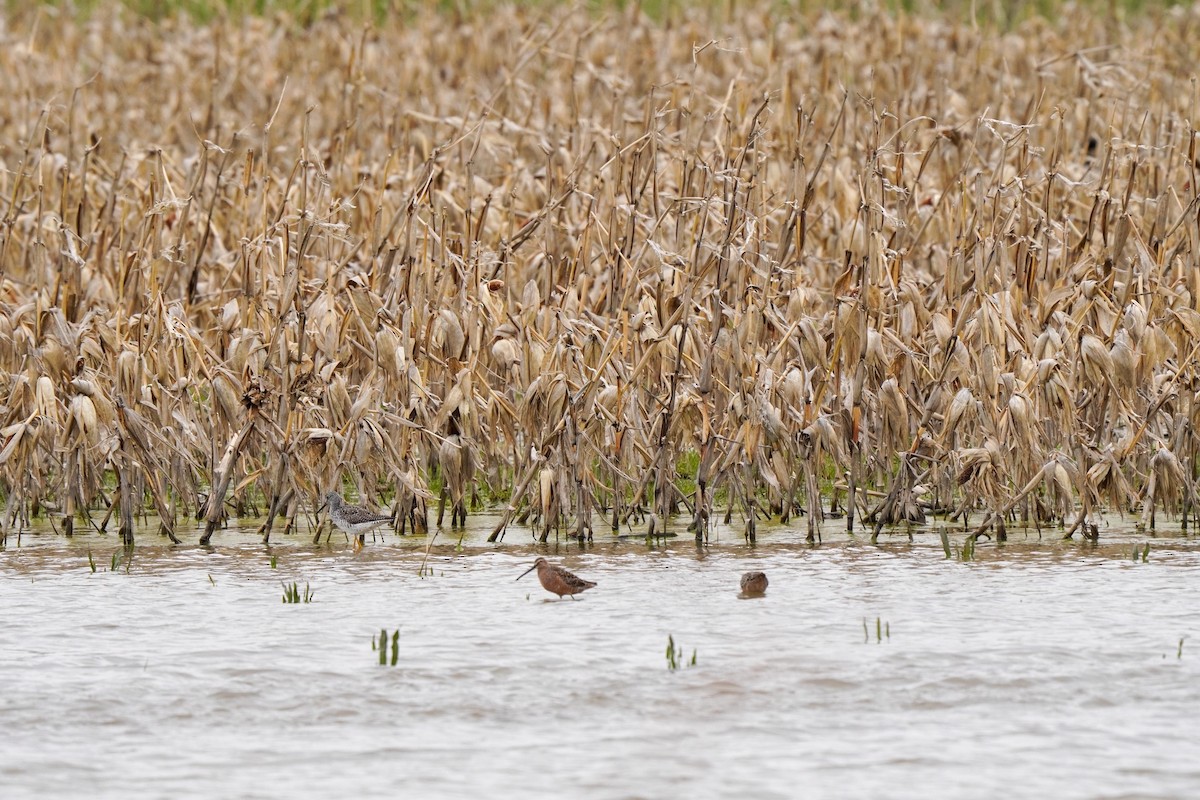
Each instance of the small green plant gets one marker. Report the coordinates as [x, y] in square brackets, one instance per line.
[91, 561]
[883, 630]
[291, 594]
[274, 561]
[676, 656]
[381, 645]
[1141, 553]
[113, 566]
[966, 553]
[1179, 652]
[945, 541]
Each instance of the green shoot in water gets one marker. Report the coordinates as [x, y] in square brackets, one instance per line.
[291, 594]
[91, 561]
[968, 549]
[274, 561]
[381, 645]
[945, 542]
[675, 655]
[967, 553]
[883, 630]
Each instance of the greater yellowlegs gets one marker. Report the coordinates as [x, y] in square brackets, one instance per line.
[355, 520]
[557, 580]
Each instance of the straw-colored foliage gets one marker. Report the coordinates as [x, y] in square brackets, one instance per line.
[552, 253]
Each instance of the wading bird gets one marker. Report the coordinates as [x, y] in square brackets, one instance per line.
[354, 520]
[557, 580]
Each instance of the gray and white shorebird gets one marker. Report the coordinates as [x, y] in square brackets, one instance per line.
[355, 520]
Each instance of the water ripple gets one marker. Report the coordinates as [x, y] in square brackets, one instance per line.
[182, 673]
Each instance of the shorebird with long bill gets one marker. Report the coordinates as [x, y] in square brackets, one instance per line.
[558, 580]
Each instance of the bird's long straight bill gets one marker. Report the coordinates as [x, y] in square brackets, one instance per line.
[526, 572]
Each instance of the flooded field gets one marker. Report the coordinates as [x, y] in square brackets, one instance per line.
[754, 260]
[1040, 669]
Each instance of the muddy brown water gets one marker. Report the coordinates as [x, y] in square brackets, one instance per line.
[1040, 669]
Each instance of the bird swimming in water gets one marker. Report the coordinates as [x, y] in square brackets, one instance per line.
[754, 584]
[557, 580]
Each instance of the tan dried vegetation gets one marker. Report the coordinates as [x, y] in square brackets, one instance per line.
[852, 263]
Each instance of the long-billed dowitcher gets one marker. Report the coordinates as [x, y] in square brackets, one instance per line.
[354, 520]
[754, 584]
[557, 580]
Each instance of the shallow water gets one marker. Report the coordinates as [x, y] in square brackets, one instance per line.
[1041, 669]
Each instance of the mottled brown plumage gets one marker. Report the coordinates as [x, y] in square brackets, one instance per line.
[557, 580]
[754, 583]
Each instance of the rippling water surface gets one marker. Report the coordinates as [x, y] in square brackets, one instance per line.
[1042, 669]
